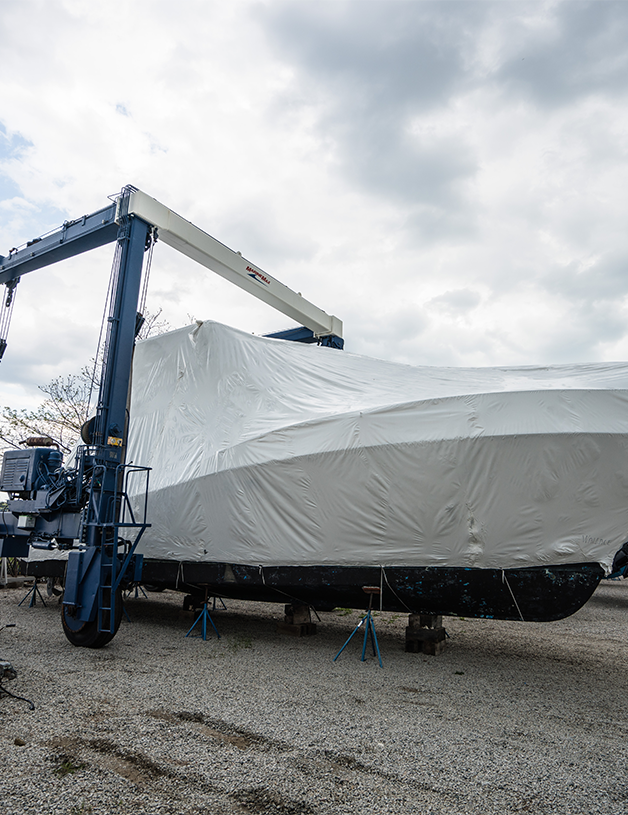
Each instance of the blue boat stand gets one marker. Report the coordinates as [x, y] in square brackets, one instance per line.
[369, 627]
[33, 592]
[203, 617]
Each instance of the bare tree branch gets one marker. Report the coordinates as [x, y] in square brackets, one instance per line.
[66, 406]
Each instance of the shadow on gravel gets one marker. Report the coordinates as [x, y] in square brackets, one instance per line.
[79, 753]
[169, 614]
[261, 800]
[220, 730]
[611, 595]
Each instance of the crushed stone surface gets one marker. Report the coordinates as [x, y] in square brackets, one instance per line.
[511, 718]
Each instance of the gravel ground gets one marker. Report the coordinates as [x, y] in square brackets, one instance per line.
[513, 717]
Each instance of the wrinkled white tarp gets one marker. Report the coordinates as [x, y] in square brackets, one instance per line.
[277, 453]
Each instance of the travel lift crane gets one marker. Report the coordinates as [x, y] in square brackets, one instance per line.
[88, 502]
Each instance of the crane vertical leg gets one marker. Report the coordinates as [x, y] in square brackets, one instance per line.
[92, 610]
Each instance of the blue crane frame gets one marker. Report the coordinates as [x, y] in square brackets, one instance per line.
[92, 607]
[89, 502]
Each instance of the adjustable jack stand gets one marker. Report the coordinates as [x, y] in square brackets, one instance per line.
[204, 616]
[369, 627]
[139, 588]
[222, 602]
[33, 593]
[127, 594]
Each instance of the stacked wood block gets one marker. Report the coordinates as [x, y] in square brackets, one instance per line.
[297, 621]
[425, 634]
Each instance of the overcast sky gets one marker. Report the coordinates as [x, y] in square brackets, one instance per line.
[448, 178]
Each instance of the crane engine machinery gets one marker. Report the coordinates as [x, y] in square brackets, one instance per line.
[83, 505]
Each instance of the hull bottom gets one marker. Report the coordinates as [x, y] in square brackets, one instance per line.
[534, 594]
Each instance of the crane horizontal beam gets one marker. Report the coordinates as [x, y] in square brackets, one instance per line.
[201, 247]
[73, 238]
[101, 227]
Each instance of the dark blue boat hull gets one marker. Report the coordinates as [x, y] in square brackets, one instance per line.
[534, 595]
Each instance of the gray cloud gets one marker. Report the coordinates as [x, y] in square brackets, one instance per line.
[12, 148]
[600, 282]
[372, 68]
[582, 51]
[12, 145]
[585, 334]
[371, 333]
[458, 301]
[375, 72]
[394, 55]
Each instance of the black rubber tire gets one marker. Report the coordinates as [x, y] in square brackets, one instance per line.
[87, 635]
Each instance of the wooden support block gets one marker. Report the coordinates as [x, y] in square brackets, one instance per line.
[431, 648]
[414, 620]
[421, 640]
[434, 648]
[425, 621]
[425, 634]
[297, 629]
[297, 614]
[192, 602]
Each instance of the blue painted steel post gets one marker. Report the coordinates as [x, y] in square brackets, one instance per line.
[110, 427]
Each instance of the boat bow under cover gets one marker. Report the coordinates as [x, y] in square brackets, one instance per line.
[278, 454]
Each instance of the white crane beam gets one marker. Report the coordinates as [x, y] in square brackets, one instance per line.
[201, 247]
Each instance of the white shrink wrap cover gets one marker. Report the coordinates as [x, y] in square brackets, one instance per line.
[270, 453]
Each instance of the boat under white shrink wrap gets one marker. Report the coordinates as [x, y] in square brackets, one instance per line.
[283, 469]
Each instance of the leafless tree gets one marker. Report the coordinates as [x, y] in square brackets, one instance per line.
[66, 405]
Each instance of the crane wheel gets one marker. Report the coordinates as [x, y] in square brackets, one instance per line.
[86, 634]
